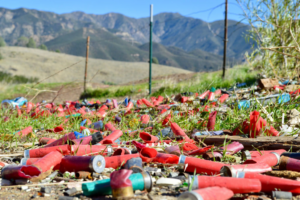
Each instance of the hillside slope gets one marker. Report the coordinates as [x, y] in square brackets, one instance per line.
[41, 64]
[173, 29]
[105, 45]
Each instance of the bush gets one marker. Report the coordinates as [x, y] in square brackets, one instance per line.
[17, 79]
[57, 51]
[275, 29]
[31, 43]
[43, 47]
[22, 41]
[94, 93]
[123, 92]
[2, 42]
[1, 57]
[108, 83]
[155, 60]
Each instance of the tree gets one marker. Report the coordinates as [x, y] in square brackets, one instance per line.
[155, 60]
[43, 47]
[2, 42]
[22, 41]
[31, 43]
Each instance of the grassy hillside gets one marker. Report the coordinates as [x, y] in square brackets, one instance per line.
[196, 82]
[41, 64]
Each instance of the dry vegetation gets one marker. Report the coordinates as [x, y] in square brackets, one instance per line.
[40, 63]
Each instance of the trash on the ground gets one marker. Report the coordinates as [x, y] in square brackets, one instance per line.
[127, 148]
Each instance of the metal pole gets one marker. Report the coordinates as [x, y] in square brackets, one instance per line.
[225, 39]
[86, 62]
[150, 48]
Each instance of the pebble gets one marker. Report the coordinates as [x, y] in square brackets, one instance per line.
[70, 192]
[173, 174]
[46, 189]
[24, 187]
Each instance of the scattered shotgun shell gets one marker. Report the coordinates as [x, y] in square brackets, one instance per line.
[233, 170]
[83, 175]
[247, 155]
[41, 152]
[287, 163]
[49, 161]
[120, 183]
[291, 155]
[44, 140]
[118, 161]
[200, 165]
[270, 183]
[211, 193]
[13, 172]
[140, 181]
[82, 163]
[134, 164]
[243, 186]
[272, 159]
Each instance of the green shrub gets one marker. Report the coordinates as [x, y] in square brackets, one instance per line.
[17, 79]
[155, 60]
[94, 93]
[2, 42]
[57, 51]
[123, 92]
[1, 56]
[108, 83]
[43, 47]
[31, 43]
[22, 41]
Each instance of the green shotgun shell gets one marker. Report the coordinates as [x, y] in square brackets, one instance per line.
[212, 89]
[140, 181]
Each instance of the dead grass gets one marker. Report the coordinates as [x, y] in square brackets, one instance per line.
[41, 64]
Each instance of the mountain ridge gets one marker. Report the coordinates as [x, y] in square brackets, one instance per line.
[128, 35]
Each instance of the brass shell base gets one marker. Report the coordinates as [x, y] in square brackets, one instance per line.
[123, 192]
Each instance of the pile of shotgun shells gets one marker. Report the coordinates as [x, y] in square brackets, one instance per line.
[96, 156]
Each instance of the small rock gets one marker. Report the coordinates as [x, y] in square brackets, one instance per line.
[70, 192]
[46, 189]
[34, 196]
[24, 187]
[173, 174]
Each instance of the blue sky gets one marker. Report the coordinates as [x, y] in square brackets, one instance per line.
[133, 8]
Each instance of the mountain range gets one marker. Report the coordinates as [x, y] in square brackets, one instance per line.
[179, 41]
